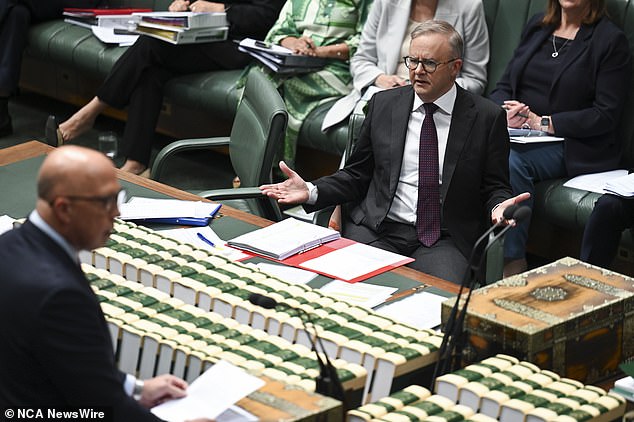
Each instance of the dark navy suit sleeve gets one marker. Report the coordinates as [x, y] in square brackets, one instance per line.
[76, 355]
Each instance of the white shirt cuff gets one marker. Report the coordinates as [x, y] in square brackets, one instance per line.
[128, 384]
[313, 192]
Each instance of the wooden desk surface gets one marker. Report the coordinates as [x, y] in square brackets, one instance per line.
[34, 149]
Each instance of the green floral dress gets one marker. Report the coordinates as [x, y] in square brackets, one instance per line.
[327, 22]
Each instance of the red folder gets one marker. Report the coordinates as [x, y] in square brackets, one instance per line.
[298, 259]
[97, 12]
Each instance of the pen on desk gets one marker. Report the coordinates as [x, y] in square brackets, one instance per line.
[204, 239]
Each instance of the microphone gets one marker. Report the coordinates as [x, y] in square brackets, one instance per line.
[519, 215]
[456, 316]
[328, 382]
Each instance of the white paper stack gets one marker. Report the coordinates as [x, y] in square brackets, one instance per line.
[621, 186]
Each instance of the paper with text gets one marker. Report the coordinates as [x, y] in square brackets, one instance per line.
[210, 394]
[594, 182]
[288, 274]
[353, 261]
[420, 310]
[361, 294]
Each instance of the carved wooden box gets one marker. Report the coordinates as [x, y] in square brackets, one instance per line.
[568, 316]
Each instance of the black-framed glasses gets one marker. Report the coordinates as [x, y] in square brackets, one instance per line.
[108, 202]
[429, 65]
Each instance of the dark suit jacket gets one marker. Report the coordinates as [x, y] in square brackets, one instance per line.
[252, 18]
[475, 171]
[55, 347]
[587, 92]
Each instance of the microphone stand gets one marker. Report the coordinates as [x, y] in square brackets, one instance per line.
[521, 214]
[328, 382]
[456, 319]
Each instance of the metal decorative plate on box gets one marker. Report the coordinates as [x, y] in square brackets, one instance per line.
[568, 316]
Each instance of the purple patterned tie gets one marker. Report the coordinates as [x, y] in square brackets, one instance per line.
[428, 208]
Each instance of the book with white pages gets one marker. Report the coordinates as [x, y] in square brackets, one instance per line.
[284, 239]
[184, 19]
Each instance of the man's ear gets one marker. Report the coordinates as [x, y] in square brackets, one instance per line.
[62, 209]
[456, 65]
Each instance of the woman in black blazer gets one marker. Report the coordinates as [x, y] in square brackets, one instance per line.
[568, 77]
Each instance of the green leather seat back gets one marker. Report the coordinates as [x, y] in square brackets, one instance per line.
[505, 21]
[257, 130]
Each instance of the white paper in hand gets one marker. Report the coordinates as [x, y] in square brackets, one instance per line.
[210, 394]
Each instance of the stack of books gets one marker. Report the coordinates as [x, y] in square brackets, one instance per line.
[183, 27]
[107, 18]
[279, 59]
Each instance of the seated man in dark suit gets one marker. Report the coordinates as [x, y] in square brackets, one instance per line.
[15, 18]
[55, 347]
[430, 164]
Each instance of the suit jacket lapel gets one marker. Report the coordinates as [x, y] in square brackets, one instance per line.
[459, 131]
[398, 132]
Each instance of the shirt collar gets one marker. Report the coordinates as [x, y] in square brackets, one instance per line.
[39, 222]
[445, 103]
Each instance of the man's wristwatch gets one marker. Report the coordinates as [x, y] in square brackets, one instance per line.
[138, 389]
[544, 124]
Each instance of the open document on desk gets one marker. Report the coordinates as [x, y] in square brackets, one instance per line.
[529, 136]
[284, 239]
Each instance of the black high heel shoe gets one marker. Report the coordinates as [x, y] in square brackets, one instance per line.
[52, 133]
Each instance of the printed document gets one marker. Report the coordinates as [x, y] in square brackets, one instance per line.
[210, 394]
[621, 186]
[353, 261]
[594, 182]
[361, 294]
[420, 310]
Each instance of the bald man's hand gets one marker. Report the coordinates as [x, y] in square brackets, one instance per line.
[160, 389]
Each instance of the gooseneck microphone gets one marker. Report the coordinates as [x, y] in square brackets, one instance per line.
[450, 353]
[328, 382]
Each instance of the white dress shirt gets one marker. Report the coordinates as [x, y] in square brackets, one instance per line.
[403, 209]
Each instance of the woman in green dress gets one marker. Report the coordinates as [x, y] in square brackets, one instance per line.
[322, 28]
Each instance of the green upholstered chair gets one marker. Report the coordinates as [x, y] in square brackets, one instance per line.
[256, 134]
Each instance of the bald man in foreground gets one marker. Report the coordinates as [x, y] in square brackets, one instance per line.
[55, 348]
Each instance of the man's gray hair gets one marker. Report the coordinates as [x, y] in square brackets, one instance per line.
[444, 28]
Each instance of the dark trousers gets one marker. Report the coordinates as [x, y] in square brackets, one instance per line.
[15, 18]
[610, 216]
[138, 79]
[443, 259]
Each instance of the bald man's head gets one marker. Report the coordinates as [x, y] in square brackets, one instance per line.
[72, 170]
[77, 189]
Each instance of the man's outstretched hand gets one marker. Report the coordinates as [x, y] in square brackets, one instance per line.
[291, 191]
